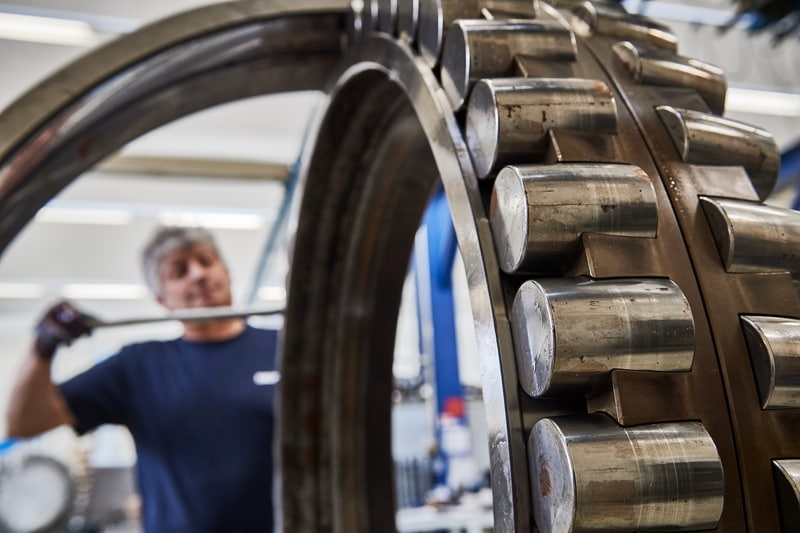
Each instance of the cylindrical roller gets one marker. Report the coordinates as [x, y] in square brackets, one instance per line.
[435, 16]
[606, 19]
[567, 332]
[705, 139]
[407, 19]
[653, 66]
[787, 481]
[477, 49]
[369, 16]
[508, 119]
[589, 474]
[538, 212]
[752, 237]
[387, 16]
[774, 346]
[504, 9]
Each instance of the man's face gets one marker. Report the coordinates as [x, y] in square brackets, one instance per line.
[194, 277]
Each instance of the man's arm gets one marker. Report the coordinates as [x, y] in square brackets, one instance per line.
[36, 405]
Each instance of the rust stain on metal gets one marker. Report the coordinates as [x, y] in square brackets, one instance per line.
[544, 476]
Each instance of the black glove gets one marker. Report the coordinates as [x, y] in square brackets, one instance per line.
[62, 324]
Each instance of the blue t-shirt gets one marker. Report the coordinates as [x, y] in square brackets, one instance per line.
[201, 415]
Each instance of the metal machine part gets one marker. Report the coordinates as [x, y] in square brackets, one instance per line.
[539, 212]
[569, 332]
[508, 119]
[36, 495]
[589, 474]
[477, 49]
[752, 237]
[774, 346]
[196, 314]
[787, 478]
[388, 138]
[698, 137]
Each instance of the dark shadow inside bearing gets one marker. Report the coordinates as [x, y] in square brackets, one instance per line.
[367, 184]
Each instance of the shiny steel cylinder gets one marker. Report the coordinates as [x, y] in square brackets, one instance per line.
[705, 139]
[589, 474]
[509, 9]
[774, 346]
[407, 19]
[569, 331]
[477, 49]
[753, 237]
[651, 66]
[387, 16]
[508, 119]
[538, 212]
[435, 16]
[369, 16]
[612, 20]
[787, 481]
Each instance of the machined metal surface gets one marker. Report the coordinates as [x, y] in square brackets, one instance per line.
[388, 137]
[508, 118]
[787, 478]
[387, 16]
[196, 314]
[752, 237]
[609, 19]
[774, 347]
[706, 139]
[477, 49]
[539, 212]
[655, 66]
[570, 332]
[408, 20]
[435, 16]
[108, 98]
[589, 474]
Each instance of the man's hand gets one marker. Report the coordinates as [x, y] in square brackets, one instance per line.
[61, 324]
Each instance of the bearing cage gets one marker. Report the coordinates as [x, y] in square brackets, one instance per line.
[346, 276]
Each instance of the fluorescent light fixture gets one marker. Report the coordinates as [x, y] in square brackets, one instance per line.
[47, 30]
[78, 215]
[22, 291]
[104, 291]
[272, 293]
[243, 221]
[763, 102]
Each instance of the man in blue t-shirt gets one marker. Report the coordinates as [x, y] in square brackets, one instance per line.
[200, 407]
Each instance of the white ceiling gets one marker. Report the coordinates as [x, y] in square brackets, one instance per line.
[268, 130]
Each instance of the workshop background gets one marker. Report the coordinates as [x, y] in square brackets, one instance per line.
[231, 169]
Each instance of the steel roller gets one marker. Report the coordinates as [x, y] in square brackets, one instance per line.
[589, 474]
[388, 137]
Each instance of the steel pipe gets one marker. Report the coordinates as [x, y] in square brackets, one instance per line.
[197, 314]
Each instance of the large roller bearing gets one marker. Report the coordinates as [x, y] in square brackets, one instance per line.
[635, 301]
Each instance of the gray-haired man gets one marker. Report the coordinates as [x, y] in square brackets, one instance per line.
[203, 426]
